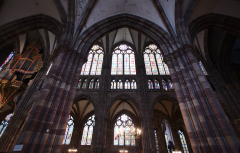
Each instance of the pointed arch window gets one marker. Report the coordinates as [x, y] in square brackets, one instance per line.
[113, 84]
[203, 69]
[156, 139]
[91, 84]
[166, 139]
[123, 61]
[88, 131]
[167, 85]
[127, 84]
[119, 84]
[133, 84]
[69, 131]
[4, 124]
[150, 84]
[126, 138]
[94, 63]
[154, 61]
[9, 58]
[183, 141]
[97, 84]
[84, 85]
[156, 83]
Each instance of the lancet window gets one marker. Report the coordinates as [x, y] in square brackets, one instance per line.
[94, 63]
[119, 84]
[91, 84]
[127, 84]
[156, 140]
[84, 85]
[113, 84]
[79, 84]
[88, 131]
[125, 126]
[123, 61]
[203, 69]
[150, 84]
[166, 139]
[9, 58]
[124, 85]
[154, 61]
[156, 83]
[167, 85]
[133, 84]
[183, 141]
[97, 84]
[4, 124]
[69, 131]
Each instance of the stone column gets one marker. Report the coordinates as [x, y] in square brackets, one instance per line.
[46, 124]
[99, 136]
[220, 127]
[185, 103]
[148, 138]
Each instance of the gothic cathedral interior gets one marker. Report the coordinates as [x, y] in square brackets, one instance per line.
[120, 76]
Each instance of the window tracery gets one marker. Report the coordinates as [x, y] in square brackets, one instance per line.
[123, 85]
[94, 63]
[84, 85]
[127, 84]
[113, 84]
[150, 84]
[153, 59]
[167, 85]
[69, 131]
[126, 138]
[183, 141]
[91, 84]
[4, 124]
[123, 61]
[156, 83]
[97, 84]
[88, 131]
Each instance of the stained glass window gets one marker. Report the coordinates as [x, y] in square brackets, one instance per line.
[119, 84]
[183, 141]
[203, 69]
[125, 127]
[133, 84]
[170, 85]
[123, 61]
[91, 84]
[166, 138]
[88, 131]
[167, 85]
[164, 84]
[157, 147]
[156, 83]
[127, 84]
[113, 84]
[150, 84]
[84, 85]
[9, 58]
[97, 84]
[94, 63]
[79, 84]
[69, 131]
[4, 124]
[153, 59]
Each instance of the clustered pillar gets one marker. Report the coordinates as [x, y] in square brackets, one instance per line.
[208, 128]
[45, 126]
